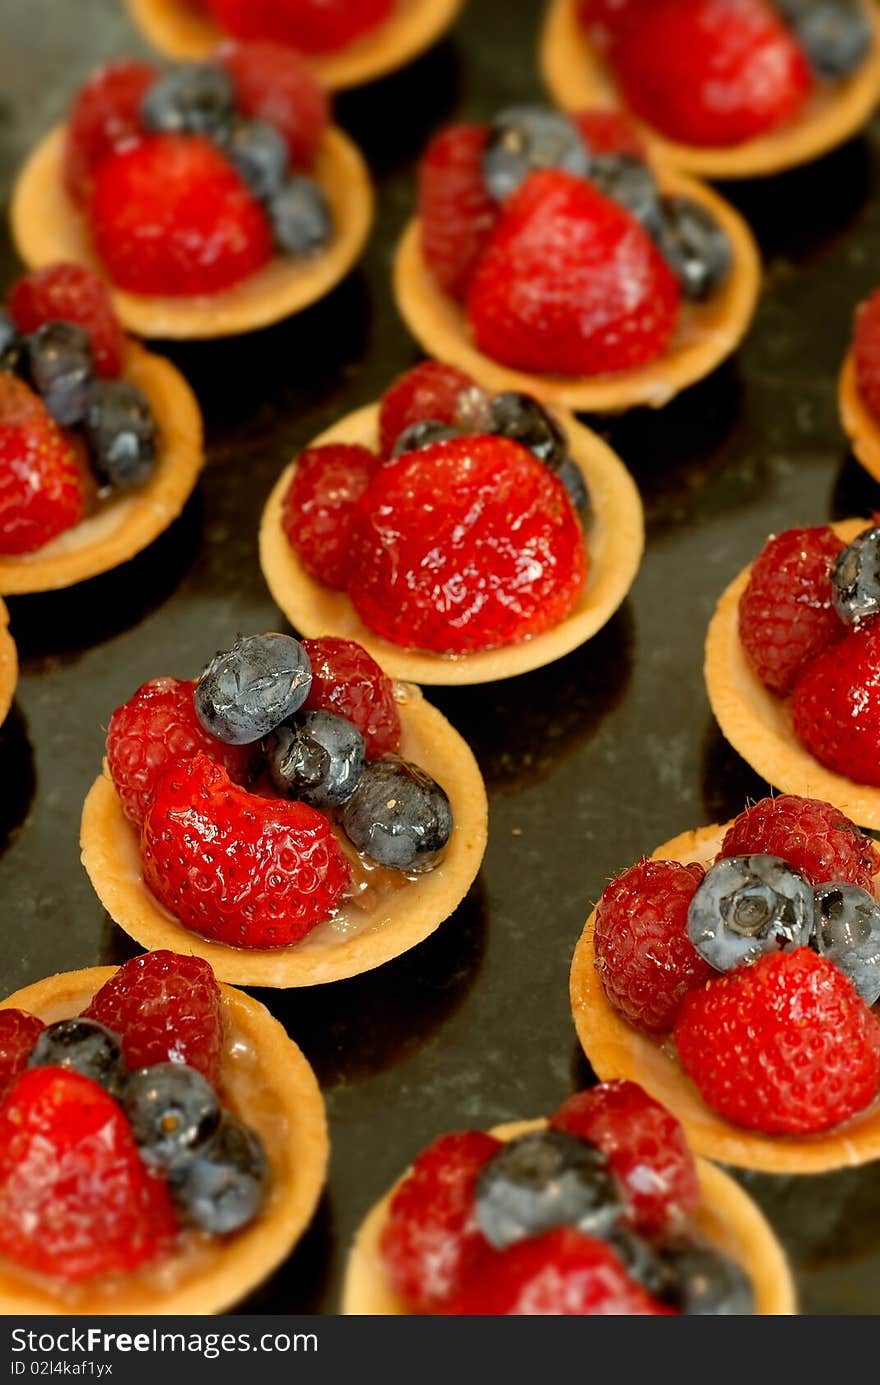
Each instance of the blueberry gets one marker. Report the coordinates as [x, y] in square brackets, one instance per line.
[192, 98]
[259, 153]
[834, 34]
[83, 1046]
[11, 343]
[631, 183]
[639, 1259]
[398, 815]
[848, 934]
[222, 1187]
[523, 139]
[423, 434]
[248, 690]
[747, 906]
[120, 429]
[542, 1180]
[522, 419]
[318, 757]
[700, 1280]
[172, 1110]
[62, 369]
[301, 219]
[855, 579]
[575, 483]
[694, 246]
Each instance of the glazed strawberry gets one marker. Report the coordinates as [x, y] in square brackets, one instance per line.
[430, 390]
[170, 215]
[431, 1235]
[242, 870]
[609, 132]
[19, 1032]
[322, 504]
[105, 115]
[605, 21]
[866, 350]
[348, 681]
[570, 283]
[71, 293]
[814, 837]
[166, 1008]
[711, 72]
[645, 959]
[785, 1046]
[785, 613]
[312, 26]
[456, 212]
[41, 493]
[465, 545]
[276, 85]
[836, 706]
[647, 1149]
[76, 1200]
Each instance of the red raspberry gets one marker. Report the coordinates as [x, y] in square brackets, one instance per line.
[71, 293]
[170, 215]
[348, 681]
[711, 72]
[836, 706]
[277, 85]
[41, 492]
[570, 283]
[76, 1200]
[431, 1235]
[866, 349]
[312, 26]
[430, 390]
[242, 870]
[321, 506]
[166, 1008]
[456, 212]
[609, 132]
[785, 1046]
[814, 837]
[647, 1149]
[785, 613]
[466, 545]
[106, 114]
[644, 957]
[19, 1032]
[562, 1273]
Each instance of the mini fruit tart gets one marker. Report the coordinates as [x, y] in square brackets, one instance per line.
[294, 817]
[791, 665]
[163, 1142]
[536, 542]
[100, 440]
[346, 42]
[550, 255]
[859, 386]
[8, 664]
[214, 197]
[602, 1210]
[734, 975]
[721, 88]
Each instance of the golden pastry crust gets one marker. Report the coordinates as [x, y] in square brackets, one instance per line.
[125, 524]
[727, 1217]
[274, 1089]
[615, 541]
[8, 664]
[577, 78]
[416, 25]
[354, 941]
[859, 423]
[758, 723]
[47, 226]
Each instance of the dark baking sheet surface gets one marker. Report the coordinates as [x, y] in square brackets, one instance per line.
[588, 764]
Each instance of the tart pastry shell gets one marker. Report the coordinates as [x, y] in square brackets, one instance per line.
[859, 423]
[287, 1111]
[615, 541]
[8, 664]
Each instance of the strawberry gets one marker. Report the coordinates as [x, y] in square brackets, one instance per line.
[836, 706]
[814, 837]
[312, 26]
[106, 114]
[609, 132]
[19, 1032]
[866, 351]
[276, 85]
[348, 681]
[605, 21]
[456, 212]
[71, 293]
[430, 390]
[321, 506]
[41, 491]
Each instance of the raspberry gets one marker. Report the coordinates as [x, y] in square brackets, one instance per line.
[836, 706]
[71, 293]
[106, 114]
[321, 506]
[430, 390]
[19, 1032]
[312, 26]
[785, 1046]
[609, 132]
[246, 871]
[348, 681]
[644, 957]
[570, 283]
[814, 837]
[276, 85]
[166, 1009]
[647, 1149]
[431, 1235]
[457, 214]
[41, 492]
[76, 1201]
[170, 215]
[866, 350]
